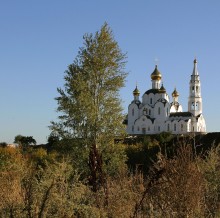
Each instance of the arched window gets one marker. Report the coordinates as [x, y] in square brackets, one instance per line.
[174, 126]
[193, 106]
[145, 111]
[167, 111]
[193, 89]
[158, 128]
[132, 128]
[151, 100]
[138, 129]
[143, 130]
[158, 110]
[149, 111]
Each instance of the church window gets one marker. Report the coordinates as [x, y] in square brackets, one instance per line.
[197, 89]
[138, 129]
[133, 112]
[149, 111]
[193, 106]
[151, 100]
[174, 126]
[167, 111]
[158, 110]
[158, 128]
[193, 89]
[132, 128]
[145, 111]
[168, 127]
[143, 130]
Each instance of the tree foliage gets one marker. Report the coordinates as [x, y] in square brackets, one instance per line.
[89, 103]
[24, 140]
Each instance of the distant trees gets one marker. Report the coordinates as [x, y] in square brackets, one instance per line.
[24, 140]
[3, 144]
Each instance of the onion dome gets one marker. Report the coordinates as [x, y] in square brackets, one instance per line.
[156, 75]
[136, 92]
[175, 93]
[162, 89]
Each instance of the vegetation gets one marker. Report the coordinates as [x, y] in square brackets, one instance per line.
[24, 140]
[38, 183]
[89, 168]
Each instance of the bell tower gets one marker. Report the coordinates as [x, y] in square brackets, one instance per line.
[195, 98]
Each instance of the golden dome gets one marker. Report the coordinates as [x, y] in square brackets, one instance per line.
[156, 75]
[175, 93]
[136, 92]
[162, 89]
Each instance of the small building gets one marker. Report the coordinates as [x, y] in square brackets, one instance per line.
[155, 113]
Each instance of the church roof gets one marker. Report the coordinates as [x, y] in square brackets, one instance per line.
[162, 100]
[137, 102]
[154, 91]
[147, 116]
[195, 71]
[181, 114]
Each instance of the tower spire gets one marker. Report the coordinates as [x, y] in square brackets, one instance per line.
[195, 71]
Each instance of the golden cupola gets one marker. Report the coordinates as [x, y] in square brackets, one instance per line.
[175, 93]
[156, 75]
[136, 92]
[162, 89]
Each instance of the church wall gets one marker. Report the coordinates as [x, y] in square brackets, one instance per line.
[160, 111]
[159, 126]
[182, 127]
[144, 125]
[133, 114]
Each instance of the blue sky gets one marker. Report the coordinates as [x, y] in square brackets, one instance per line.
[39, 39]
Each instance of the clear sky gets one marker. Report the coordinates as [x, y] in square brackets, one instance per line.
[39, 39]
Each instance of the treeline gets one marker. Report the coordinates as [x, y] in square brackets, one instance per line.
[36, 182]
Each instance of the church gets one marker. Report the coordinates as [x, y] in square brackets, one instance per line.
[155, 113]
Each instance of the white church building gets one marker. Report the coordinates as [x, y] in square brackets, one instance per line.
[155, 113]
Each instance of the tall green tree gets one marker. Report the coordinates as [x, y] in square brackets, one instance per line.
[90, 105]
